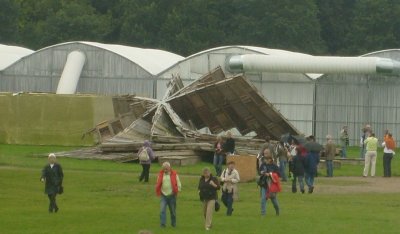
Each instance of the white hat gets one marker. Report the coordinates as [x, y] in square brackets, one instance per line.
[52, 155]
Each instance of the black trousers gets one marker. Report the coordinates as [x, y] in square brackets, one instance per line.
[145, 173]
[53, 205]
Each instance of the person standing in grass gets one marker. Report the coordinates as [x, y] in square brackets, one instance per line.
[230, 178]
[146, 163]
[208, 187]
[371, 144]
[330, 151]
[167, 187]
[282, 155]
[366, 131]
[218, 155]
[52, 175]
[388, 152]
[344, 141]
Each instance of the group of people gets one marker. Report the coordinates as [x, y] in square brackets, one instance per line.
[271, 165]
[368, 149]
[371, 146]
[221, 150]
[168, 185]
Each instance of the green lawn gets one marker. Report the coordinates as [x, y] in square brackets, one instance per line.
[106, 197]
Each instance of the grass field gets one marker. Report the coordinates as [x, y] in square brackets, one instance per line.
[106, 197]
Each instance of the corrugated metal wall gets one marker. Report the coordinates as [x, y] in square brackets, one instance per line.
[104, 73]
[356, 100]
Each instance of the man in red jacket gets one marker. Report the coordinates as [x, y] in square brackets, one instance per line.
[167, 187]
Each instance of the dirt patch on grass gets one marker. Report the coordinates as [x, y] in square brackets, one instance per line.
[345, 185]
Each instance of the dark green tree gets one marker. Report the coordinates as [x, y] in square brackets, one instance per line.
[375, 26]
[335, 18]
[9, 21]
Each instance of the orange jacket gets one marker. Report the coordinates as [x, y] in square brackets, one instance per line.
[174, 182]
[390, 143]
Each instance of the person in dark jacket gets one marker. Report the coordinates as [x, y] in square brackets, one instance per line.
[229, 145]
[146, 164]
[296, 166]
[52, 175]
[267, 166]
[208, 187]
[312, 160]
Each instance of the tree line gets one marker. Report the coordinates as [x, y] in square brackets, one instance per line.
[320, 27]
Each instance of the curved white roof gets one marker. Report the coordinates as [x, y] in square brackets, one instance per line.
[261, 50]
[152, 60]
[11, 54]
[253, 48]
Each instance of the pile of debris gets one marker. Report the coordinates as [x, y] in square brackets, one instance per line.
[175, 125]
[214, 102]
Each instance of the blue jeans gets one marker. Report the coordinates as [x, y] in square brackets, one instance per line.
[310, 179]
[300, 179]
[263, 192]
[344, 151]
[282, 169]
[171, 202]
[227, 199]
[218, 159]
[329, 168]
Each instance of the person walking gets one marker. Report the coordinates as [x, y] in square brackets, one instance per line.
[167, 187]
[145, 155]
[52, 176]
[218, 155]
[296, 166]
[389, 145]
[311, 166]
[371, 144]
[267, 166]
[344, 141]
[208, 187]
[270, 183]
[230, 177]
[330, 151]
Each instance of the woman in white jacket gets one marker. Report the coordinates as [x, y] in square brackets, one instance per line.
[229, 178]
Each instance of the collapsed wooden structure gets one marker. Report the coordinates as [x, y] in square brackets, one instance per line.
[215, 102]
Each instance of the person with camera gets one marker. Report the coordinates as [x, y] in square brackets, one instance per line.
[269, 182]
[229, 179]
[208, 187]
[52, 176]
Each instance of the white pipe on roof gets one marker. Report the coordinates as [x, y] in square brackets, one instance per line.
[312, 64]
[71, 73]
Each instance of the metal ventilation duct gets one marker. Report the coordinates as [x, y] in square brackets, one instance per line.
[312, 64]
[71, 73]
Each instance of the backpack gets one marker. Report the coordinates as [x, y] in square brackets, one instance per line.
[144, 155]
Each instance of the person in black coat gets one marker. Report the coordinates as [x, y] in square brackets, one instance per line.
[52, 175]
[297, 168]
[229, 145]
[208, 187]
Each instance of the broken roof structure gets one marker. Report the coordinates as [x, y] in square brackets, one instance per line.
[213, 101]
